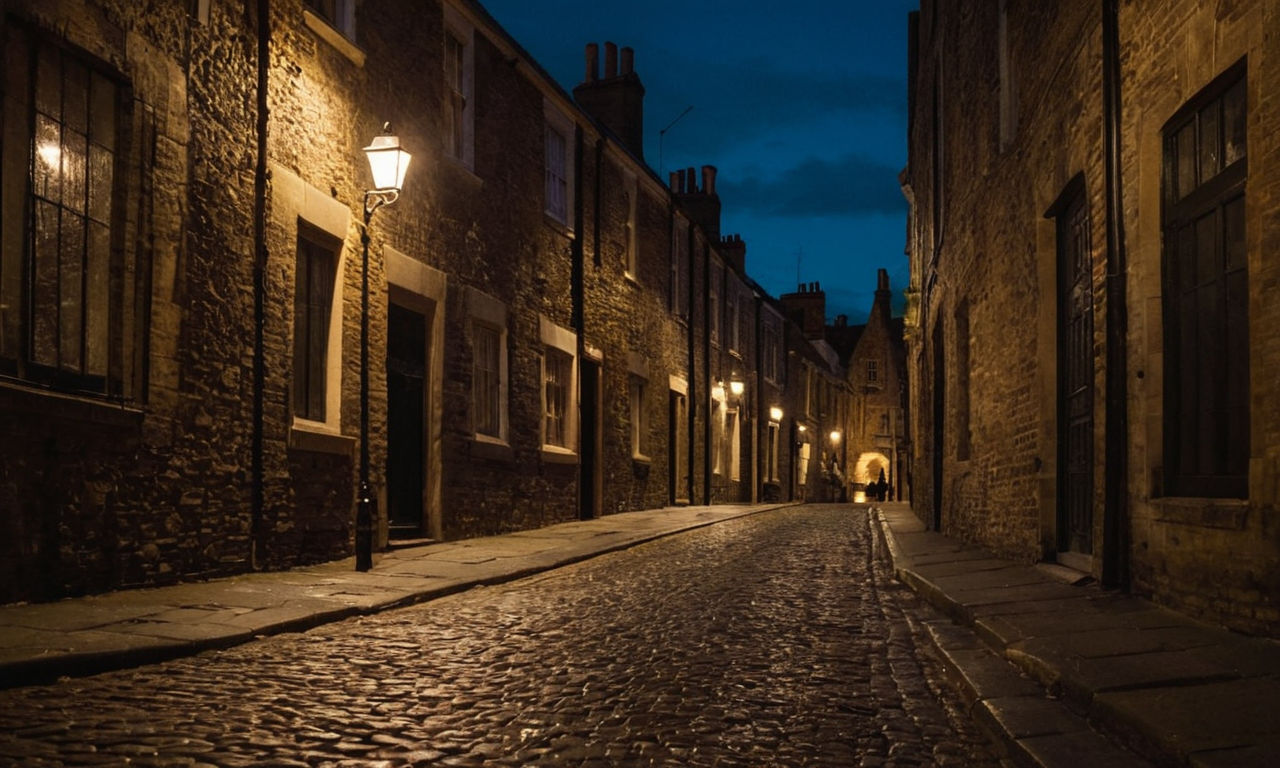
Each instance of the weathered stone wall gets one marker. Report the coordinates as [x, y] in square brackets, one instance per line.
[1217, 558]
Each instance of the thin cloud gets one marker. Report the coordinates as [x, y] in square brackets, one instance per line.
[845, 186]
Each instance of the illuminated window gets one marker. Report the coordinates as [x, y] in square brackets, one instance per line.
[559, 394]
[64, 267]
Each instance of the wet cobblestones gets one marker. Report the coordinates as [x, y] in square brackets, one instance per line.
[773, 640]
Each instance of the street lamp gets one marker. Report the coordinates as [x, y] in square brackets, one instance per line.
[736, 385]
[835, 437]
[388, 163]
[775, 413]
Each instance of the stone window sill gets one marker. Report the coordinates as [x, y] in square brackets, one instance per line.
[491, 449]
[552, 454]
[63, 406]
[303, 437]
[1226, 514]
[333, 37]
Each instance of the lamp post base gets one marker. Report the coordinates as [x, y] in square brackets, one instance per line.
[365, 509]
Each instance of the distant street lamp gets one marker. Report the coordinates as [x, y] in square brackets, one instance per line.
[775, 413]
[835, 437]
[388, 163]
[736, 386]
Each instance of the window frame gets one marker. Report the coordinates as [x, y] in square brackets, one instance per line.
[458, 29]
[556, 123]
[558, 344]
[116, 376]
[487, 312]
[1226, 439]
[312, 245]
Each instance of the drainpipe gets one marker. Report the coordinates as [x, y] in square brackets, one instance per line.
[1115, 543]
[256, 471]
[693, 373]
[577, 291]
[706, 374]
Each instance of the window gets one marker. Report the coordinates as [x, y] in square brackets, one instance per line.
[713, 305]
[487, 379]
[734, 320]
[559, 394]
[802, 471]
[558, 190]
[1008, 94]
[459, 85]
[717, 433]
[734, 444]
[639, 418]
[679, 268]
[771, 453]
[557, 368]
[1206, 294]
[488, 325]
[631, 243]
[317, 263]
[873, 373]
[771, 352]
[339, 14]
[61, 292]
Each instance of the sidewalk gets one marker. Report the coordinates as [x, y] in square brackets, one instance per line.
[1176, 691]
[80, 636]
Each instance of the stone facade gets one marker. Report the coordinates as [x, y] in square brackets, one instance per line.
[553, 331]
[1043, 394]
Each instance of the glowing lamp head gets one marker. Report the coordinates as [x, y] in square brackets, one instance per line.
[835, 436]
[736, 387]
[775, 413]
[387, 161]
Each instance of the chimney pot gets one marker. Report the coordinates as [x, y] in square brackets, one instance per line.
[800, 289]
[681, 186]
[593, 62]
[692, 178]
[882, 280]
[628, 60]
[709, 179]
[674, 181]
[610, 60]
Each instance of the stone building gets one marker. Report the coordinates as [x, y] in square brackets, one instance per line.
[553, 331]
[1092, 316]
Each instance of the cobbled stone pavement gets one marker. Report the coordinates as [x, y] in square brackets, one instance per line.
[778, 639]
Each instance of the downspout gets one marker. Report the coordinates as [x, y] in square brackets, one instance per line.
[577, 293]
[758, 389]
[692, 414]
[1115, 554]
[706, 374]
[257, 472]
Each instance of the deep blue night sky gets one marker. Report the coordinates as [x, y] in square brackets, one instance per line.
[800, 105]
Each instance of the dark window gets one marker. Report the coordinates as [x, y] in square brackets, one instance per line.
[557, 381]
[312, 309]
[63, 317]
[1206, 294]
[455, 99]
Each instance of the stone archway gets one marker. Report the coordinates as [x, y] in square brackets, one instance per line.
[866, 471]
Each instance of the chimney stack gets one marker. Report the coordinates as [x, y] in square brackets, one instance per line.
[593, 63]
[615, 100]
[703, 206]
[709, 179]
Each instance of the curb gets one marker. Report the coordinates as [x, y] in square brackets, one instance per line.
[1033, 727]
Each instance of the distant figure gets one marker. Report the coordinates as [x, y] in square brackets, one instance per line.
[881, 486]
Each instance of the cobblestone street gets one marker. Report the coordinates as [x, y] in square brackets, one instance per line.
[777, 639]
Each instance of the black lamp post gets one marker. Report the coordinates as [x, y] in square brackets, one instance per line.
[388, 162]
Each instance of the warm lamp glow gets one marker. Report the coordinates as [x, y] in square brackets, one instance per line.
[801, 428]
[387, 161]
[775, 413]
[736, 387]
[835, 435]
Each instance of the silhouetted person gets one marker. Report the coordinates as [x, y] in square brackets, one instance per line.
[882, 486]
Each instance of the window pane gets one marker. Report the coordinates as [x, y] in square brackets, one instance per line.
[1210, 141]
[47, 165]
[487, 381]
[49, 82]
[70, 295]
[557, 387]
[1237, 373]
[103, 116]
[1233, 123]
[74, 154]
[1208, 265]
[97, 282]
[1233, 245]
[1186, 159]
[75, 96]
[44, 295]
[321, 275]
[101, 169]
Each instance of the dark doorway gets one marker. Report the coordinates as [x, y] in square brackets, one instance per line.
[591, 483]
[677, 474]
[939, 419]
[406, 400]
[1075, 376]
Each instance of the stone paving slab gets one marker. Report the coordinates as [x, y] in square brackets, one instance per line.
[1168, 688]
[40, 642]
